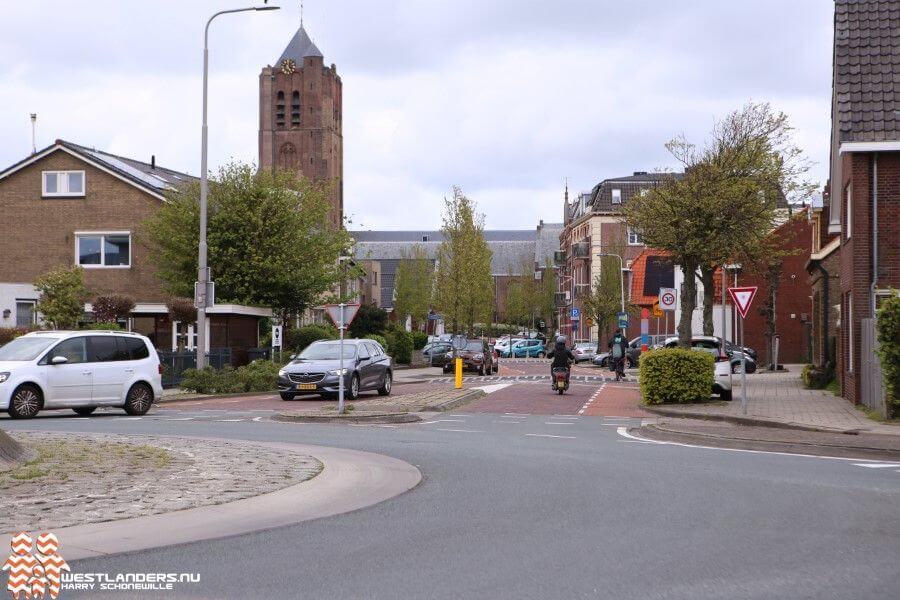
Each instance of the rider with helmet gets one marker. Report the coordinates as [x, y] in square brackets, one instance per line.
[562, 356]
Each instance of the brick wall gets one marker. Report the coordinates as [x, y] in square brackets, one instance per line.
[40, 232]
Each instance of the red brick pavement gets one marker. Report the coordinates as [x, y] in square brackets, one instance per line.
[617, 400]
[533, 399]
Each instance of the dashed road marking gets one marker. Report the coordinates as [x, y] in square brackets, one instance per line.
[877, 465]
[459, 430]
[228, 420]
[547, 435]
[591, 399]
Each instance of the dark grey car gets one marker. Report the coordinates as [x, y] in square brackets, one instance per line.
[316, 370]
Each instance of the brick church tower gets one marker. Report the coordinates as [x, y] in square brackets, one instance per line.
[300, 118]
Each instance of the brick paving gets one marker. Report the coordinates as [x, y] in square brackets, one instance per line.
[621, 399]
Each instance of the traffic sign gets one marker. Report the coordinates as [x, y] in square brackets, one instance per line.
[667, 298]
[623, 319]
[657, 311]
[341, 314]
[276, 336]
[575, 314]
[458, 342]
[742, 298]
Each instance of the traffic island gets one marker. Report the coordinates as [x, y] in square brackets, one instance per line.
[355, 416]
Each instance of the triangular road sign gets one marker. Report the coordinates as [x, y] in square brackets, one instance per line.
[742, 298]
[334, 311]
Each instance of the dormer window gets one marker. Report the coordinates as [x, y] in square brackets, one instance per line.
[617, 196]
[62, 184]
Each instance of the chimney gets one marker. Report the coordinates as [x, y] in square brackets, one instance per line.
[152, 161]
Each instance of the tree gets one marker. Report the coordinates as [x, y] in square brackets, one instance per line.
[62, 297]
[413, 285]
[183, 312]
[463, 282]
[369, 319]
[112, 308]
[530, 294]
[724, 205]
[269, 237]
[604, 301]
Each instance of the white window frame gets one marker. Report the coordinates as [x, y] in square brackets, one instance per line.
[34, 313]
[62, 185]
[616, 196]
[103, 234]
[638, 241]
[848, 211]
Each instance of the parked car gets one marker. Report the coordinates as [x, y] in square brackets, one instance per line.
[735, 356]
[437, 353]
[317, 370]
[526, 348]
[78, 370]
[476, 356]
[584, 351]
[723, 367]
[632, 355]
[502, 345]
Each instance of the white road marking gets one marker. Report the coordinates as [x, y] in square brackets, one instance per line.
[565, 417]
[128, 418]
[551, 423]
[388, 426]
[459, 430]
[177, 418]
[516, 415]
[490, 389]
[591, 399]
[877, 466]
[257, 419]
[228, 420]
[565, 437]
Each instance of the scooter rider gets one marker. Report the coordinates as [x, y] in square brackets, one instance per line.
[562, 357]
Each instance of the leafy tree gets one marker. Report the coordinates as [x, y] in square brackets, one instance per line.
[604, 301]
[887, 328]
[724, 205]
[369, 319]
[269, 237]
[62, 297]
[463, 282]
[529, 297]
[109, 309]
[413, 285]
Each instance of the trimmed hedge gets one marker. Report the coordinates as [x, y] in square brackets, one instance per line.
[420, 338]
[676, 375]
[378, 338]
[888, 333]
[400, 346]
[258, 376]
[300, 338]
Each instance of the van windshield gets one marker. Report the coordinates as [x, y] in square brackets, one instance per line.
[26, 348]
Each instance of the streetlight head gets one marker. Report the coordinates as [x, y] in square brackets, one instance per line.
[266, 8]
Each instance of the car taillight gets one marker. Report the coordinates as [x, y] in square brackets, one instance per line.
[722, 358]
[160, 368]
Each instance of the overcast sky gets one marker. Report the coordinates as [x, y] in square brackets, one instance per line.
[505, 98]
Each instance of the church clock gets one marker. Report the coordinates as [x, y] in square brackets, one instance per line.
[288, 66]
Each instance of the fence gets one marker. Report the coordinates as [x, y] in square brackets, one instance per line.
[176, 363]
[871, 382]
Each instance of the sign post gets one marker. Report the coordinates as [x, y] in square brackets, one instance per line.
[742, 298]
[459, 343]
[342, 315]
[667, 299]
[645, 329]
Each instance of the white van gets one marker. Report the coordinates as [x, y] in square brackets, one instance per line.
[80, 370]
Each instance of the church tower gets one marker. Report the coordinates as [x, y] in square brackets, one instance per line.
[300, 118]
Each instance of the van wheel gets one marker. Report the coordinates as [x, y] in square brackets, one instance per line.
[725, 395]
[26, 402]
[84, 410]
[138, 400]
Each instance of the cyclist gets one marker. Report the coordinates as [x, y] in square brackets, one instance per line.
[617, 346]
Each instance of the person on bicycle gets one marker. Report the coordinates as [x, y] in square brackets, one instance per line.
[617, 347]
[562, 357]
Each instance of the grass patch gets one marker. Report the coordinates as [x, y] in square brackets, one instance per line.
[834, 387]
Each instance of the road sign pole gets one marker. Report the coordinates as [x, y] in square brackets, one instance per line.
[743, 372]
[341, 365]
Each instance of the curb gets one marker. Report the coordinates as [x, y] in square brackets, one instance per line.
[799, 445]
[453, 402]
[757, 421]
[351, 417]
[351, 480]
[195, 397]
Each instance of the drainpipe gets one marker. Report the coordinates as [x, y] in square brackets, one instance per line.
[874, 233]
[826, 306]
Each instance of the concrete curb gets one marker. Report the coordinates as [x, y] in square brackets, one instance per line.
[195, 397]
[778, 445]
[350, 480]
[446, 405]
[355, 416]
[756, 421]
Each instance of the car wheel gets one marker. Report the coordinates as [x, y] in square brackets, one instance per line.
[751, 367]
[25, 403]
[629, 363]
[286, 396]
[138, 400]
[385, 389]
[736, 367]
[540, 355]
[725, 395]
[84, 411]
[603, 362]
[353, 392]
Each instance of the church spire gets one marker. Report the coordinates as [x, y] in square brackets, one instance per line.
[299, 48]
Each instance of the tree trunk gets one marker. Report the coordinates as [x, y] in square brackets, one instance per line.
[688, 303]
[11, 451]
[707, 274]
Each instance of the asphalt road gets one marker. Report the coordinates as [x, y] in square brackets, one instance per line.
[542, 506]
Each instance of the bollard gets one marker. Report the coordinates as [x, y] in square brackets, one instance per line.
[459, 373]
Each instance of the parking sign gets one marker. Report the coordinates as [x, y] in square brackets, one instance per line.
[575, 314]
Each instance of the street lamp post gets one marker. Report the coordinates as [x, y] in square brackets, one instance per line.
[201, 297]
[622, 282]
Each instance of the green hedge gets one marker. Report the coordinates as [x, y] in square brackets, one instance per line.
[298, 339]
[420, 338]
[400, 346]
[258, 376]
[888, 333]
[378, 338]
[676, 375]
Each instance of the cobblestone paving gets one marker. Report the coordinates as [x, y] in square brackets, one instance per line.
[199, 473]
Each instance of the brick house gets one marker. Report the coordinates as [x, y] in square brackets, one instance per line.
[74, 205]
[865, 177]
[823, 268]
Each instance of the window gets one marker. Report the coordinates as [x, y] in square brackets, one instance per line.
[634, 238]
[279, 110]
[103, 250]
[25, 313]
[62, 184]
[73, 349]
[295, 109]
[617, 196]
[848, 207]
[363, 352]
[105, 348]
[134, 348]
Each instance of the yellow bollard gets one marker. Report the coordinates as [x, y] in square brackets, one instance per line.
[458, 373]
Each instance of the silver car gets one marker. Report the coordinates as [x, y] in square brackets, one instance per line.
[584, 351]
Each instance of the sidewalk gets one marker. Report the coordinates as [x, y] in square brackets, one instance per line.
[779, 399]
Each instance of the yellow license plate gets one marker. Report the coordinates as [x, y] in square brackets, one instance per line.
[306, 386]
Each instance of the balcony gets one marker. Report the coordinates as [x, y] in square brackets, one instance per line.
[581, 250]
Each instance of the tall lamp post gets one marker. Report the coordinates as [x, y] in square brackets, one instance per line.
[622, 282]
[201, 292]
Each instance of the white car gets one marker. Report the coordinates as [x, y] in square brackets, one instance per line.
[584, 351]
[502, 345]
[713, 345]
[80, 370]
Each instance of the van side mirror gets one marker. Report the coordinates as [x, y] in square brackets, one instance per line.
[59, 360]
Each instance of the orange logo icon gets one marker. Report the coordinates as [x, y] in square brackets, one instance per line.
[34, 575]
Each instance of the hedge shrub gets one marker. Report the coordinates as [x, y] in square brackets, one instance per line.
[300, 338]
[420, 338]
[258, 376]
[888, 333]
[400, 348]
[8, 334]
[104, 326]
[676, 375]
[815, 378]
[378, 338]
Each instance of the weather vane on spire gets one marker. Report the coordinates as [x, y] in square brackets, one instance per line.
[301, 14]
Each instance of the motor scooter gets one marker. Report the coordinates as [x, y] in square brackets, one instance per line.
[560, 379]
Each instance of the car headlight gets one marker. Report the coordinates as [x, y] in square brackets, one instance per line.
[338, 372]
[282, 373]
[478, 357]
[4, 377]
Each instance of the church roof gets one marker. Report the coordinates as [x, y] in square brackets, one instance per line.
[300, 47]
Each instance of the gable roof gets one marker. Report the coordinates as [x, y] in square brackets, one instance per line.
[866, 86]
[300, 47]
[152, 179]
[601, 195]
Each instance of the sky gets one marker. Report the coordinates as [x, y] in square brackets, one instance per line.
[508, 99]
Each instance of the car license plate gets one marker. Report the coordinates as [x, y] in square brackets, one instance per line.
[306, 386]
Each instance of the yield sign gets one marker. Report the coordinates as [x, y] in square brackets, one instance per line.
[341, 314]
[742, 298]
